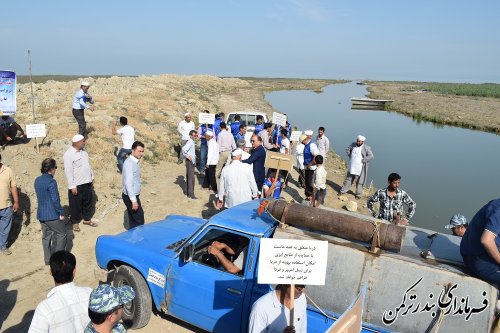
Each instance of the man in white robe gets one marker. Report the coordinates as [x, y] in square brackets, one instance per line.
[359, 155]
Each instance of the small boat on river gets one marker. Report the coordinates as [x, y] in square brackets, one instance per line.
[369, 101]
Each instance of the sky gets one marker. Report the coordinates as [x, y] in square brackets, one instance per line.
[426, 40]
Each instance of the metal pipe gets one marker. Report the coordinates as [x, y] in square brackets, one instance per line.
[336, 223]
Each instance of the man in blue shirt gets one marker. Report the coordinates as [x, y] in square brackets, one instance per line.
[259, 124]
[131, 185]
[80, 105]
[57, 235]
[235, 126]
[219, 118]
[241, 133]
[480, 243]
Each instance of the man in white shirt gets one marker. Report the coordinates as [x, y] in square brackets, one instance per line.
[189, 152]
[131, 185]
[359, 155]
[271, 312]
[237, 182]
[185, 126]
[322, 142]
[65, 309]
[212, 160]
[127, 133]
[285, 143]
[80, 181]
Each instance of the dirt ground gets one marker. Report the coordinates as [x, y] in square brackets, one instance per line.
[24, 279]
[154, 106]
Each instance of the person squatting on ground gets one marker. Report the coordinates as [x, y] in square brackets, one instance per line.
[65, 308]
[105, 308]
[189, 153]
[131, 185]
[237, 183]
[80, 100]
[273, 185]
[57, 233]
[359, 155]
[319, 182]
[8, 186]
[271, 312]
[9, 129]
[185, 126]
[458, 225]
[127, 133]
[80, 179]
[310, 152]
[391, 201]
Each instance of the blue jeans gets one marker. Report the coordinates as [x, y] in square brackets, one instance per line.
[203, 156]
[5, 224]
[317, 196]
[122, 155]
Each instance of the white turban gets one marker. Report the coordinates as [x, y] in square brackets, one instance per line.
[237, 152]
[361, 138]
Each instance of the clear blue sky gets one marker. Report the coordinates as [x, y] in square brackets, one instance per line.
[427, 40]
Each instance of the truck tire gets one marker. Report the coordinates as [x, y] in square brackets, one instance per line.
[136, 314]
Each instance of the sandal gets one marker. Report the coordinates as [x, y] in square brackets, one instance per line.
[76, 227]
[90, 223]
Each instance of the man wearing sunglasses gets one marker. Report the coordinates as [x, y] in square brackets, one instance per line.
[257, 158]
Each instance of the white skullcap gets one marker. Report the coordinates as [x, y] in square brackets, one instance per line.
[77, 138]
[237, 152]
[361, 138]
[186, 114]
[308, 133]
[209, 133]
[85, 83]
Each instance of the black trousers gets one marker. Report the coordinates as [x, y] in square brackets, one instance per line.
[309, 182]
[135, 218]
[190, 178]
[210, 179]
[80, 119]
[81, 203]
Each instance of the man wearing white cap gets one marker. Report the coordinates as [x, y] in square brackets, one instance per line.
[237, 182]
[80, 181]
[80, 105]
[212, 160]
[310, 152]
[359, 155]
[185, 126]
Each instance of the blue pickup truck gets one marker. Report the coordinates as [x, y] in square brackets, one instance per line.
[166, 263]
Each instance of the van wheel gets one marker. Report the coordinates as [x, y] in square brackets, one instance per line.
[136, 314]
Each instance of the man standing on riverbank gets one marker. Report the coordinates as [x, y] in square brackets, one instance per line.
[80, 179]
[480, 243]
[257, 159]
[80, 105]
[391, 201]
[359, 155]
[322, 142]
[131, 185]
[310, 152]
[185, 126]
[7, 208]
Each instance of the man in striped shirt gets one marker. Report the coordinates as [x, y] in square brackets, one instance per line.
[391, 201]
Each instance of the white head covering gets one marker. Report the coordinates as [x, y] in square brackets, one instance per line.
[186, 114]
[237, 152]
[77, 138]
[209, 133]
[361, 138]
[308, 133]
[85, 83]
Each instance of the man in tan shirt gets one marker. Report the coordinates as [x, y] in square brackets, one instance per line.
[7, 208]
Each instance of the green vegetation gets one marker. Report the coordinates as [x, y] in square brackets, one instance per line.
[464, 89]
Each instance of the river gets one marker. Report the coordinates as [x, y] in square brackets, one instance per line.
[446, 170]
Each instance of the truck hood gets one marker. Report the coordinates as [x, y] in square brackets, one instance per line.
[159, 237]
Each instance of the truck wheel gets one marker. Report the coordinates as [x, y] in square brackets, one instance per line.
[136, 314]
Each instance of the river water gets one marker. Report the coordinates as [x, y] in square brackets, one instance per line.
[446, 170]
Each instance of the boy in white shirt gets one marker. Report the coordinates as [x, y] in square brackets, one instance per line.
[319, 182]
[127, 133]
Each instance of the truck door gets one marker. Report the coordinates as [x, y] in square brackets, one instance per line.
[202, 292]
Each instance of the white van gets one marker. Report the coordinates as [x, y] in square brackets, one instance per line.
[248, 117]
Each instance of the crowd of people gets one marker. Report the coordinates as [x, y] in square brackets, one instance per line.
[233, 173]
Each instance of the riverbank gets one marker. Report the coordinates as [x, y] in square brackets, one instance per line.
[154, 106]
[472, 112]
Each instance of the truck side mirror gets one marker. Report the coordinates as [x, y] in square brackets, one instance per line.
[187, 253]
